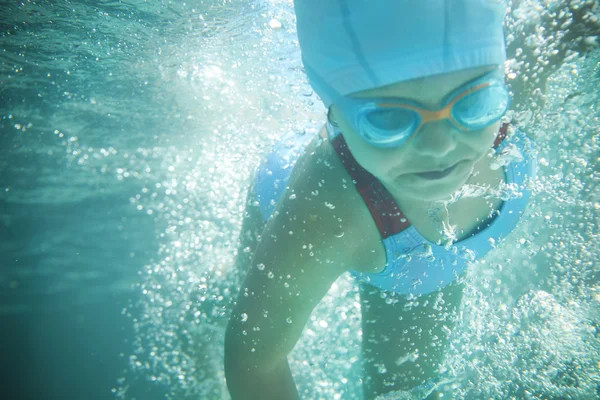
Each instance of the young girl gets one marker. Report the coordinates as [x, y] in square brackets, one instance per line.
[401, 188]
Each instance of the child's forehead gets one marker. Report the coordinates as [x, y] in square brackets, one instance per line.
[427, 90]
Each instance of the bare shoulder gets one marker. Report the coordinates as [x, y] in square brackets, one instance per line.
[333, 210]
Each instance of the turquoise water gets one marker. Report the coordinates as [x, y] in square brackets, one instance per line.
[129, 135]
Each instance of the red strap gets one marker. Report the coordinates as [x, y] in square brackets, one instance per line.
[501, 135]
[386, 214]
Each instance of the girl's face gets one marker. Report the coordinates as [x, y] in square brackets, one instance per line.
[440, 158]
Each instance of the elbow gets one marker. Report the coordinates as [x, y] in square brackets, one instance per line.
[249, 361]
[236, 360]
[241, 372]
[234, 368]
[231, 351]
[234, 365]
[243, 365]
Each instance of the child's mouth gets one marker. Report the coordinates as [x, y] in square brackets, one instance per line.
[433, 175]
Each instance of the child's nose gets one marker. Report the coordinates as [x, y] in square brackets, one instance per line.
[435, 139]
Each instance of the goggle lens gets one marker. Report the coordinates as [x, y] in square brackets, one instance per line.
[388, 127]
[392, 120]
[481, 108]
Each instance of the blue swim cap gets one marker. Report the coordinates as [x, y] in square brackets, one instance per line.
[353, 45]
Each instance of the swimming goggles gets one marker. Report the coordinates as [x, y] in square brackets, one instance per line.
[387, 122]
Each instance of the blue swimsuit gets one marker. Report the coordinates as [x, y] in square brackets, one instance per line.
[414, 264]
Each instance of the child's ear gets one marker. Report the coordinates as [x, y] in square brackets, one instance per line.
[331, 117]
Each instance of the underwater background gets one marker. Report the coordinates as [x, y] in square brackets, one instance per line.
[129, 132]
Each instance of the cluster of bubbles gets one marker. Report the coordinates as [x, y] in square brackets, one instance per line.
[527, 325]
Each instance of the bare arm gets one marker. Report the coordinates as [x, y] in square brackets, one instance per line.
[541, 38]
[289, 275]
